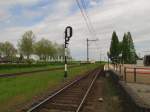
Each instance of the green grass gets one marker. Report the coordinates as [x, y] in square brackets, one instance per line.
[112, 96]
[18, 90]
[16, 70]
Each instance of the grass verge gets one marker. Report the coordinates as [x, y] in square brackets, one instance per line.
[27, 69]
[112, 96]
[16, 91]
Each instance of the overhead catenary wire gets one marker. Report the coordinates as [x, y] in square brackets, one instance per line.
[82, 7]
[84, 16]
[88, 18]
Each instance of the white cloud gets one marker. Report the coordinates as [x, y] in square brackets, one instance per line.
[12, 2]
[4, 15]
[93, 2]
[119, 15]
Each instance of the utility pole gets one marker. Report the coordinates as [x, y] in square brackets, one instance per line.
[100, 56]
[108, 55]
[87, 50]
[88, 47]
[68, 35]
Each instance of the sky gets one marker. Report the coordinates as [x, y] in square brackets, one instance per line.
[48, 19]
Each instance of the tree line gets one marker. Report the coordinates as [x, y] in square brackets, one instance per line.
[122, 51]
[28, 46]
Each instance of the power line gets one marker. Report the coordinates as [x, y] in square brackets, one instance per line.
[86, 13]
[85, 18]
[88, 18]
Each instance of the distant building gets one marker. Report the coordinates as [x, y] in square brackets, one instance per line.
[147, 60]
[140, 62]
[92, 61]
[4, 60]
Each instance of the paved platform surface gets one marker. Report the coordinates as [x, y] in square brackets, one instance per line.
[142, 87]
[142, 90]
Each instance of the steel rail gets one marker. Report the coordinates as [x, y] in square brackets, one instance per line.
[53, 95]
[88, 91]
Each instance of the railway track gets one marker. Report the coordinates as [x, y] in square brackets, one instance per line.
[29, 72]
[71, 98]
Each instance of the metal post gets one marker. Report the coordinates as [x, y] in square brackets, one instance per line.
[134, 74]
[87, 50]
[68, 35]
[120, 68]
[65, 74]
[100, 57]
[108, 63]
[125, 77]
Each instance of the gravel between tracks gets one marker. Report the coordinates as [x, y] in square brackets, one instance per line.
[68, 99]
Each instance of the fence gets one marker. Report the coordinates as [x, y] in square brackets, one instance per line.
[131, 73]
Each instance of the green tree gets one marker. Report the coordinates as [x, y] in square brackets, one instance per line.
[44, 48]
[114, 47]
[61, 51]
[128, 50]
[26, 44]
[1, 49]
[125, 49]
[132, 52]
[7, 49]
